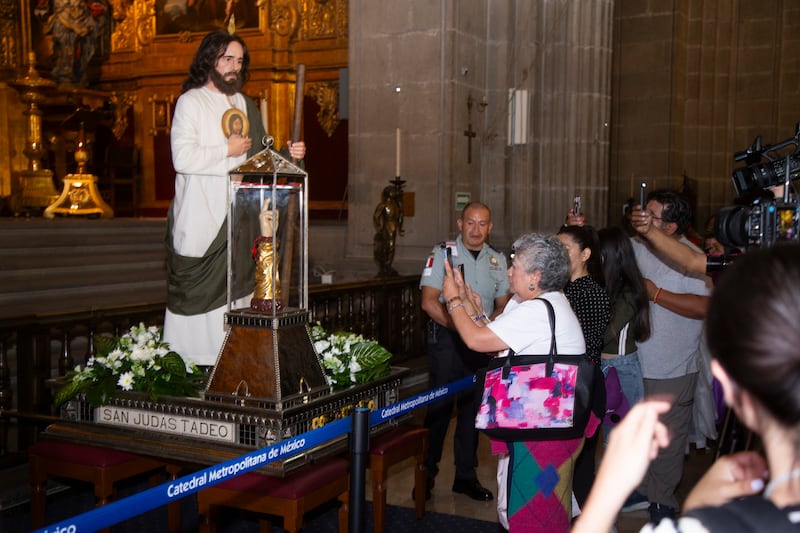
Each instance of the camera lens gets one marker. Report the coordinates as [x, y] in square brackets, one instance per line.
[763, 175]
[732, 226]
[744, 180]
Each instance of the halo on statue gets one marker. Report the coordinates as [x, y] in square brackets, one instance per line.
[235, 121]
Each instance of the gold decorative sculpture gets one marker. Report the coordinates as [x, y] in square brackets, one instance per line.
[80, 196]
[37, 189]
[265, 254]
[326, 95]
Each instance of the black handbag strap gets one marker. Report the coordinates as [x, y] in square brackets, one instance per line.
[552, 316]
[553, 348]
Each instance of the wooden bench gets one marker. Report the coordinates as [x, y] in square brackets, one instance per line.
[102, 467]
[290, 497]
[390, 448]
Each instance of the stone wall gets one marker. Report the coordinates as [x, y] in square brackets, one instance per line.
[455, 64]
[694, 82]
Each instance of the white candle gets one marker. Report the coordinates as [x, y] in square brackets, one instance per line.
[397, 155]
[264, 119]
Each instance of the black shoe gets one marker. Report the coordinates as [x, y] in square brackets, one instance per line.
[473, 489]
[658, 511]
[428, 489]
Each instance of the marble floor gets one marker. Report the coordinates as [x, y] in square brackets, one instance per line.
[443, 500]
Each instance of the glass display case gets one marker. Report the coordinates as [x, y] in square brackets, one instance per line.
[267, 236]
[267, 359]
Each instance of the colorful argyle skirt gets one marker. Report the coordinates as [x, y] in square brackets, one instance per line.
[540, 485]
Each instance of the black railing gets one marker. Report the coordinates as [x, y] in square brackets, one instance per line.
[384, 309]
[34, 349]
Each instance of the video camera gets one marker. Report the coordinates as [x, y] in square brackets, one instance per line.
[767, 220]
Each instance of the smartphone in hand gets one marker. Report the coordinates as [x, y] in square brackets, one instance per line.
[448, 254]
[643, 194]
[576, 205]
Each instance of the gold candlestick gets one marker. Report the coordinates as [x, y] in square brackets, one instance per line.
[37, 190]
[80, 196]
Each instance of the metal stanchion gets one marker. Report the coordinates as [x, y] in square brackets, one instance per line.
[359, 455]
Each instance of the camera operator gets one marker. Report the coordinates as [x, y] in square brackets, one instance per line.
[690, 259]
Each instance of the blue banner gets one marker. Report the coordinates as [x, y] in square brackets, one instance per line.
[420, 400]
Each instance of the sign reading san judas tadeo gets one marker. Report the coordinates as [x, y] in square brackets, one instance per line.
[166, 423]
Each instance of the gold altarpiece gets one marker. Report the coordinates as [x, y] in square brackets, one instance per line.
[148, 60]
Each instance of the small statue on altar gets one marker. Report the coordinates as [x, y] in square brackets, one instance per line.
[265, 254]
[388, 222]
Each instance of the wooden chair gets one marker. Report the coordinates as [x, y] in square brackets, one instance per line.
[102, 467]
[390, 448]
[290, 497]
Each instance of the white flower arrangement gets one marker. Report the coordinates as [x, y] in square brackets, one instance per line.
[349, 358]
[139, 361]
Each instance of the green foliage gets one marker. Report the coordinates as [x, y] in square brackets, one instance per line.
[373, 359]
[139, 361]
[349, 358]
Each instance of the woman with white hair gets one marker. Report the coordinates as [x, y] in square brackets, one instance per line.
[534, 477]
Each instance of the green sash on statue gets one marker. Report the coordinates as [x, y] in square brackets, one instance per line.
[197, 285]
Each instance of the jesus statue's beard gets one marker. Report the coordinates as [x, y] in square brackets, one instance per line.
[227, 86]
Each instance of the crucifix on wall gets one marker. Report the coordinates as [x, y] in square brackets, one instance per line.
[469, 133]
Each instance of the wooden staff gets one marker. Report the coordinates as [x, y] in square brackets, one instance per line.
[298, 103]
[292, 205]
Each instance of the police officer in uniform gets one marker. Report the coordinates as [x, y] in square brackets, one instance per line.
[449, 359]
